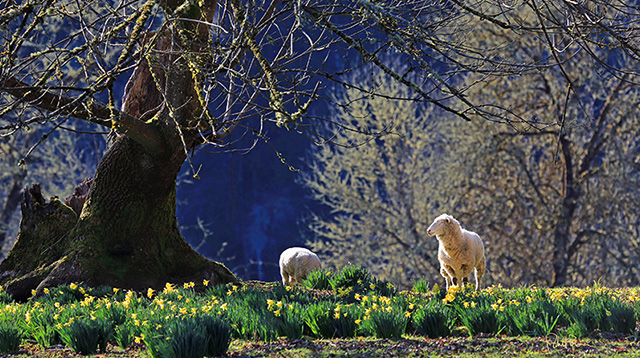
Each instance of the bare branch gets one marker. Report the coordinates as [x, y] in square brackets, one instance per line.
[83, 108]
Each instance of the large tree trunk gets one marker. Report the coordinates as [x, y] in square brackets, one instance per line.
[126, 236]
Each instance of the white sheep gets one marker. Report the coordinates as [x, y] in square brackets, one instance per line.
[296, 263]
[460, 251]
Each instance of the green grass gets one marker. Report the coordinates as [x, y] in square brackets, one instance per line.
[359, 313]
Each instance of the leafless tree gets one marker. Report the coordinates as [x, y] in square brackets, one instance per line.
[200, 70]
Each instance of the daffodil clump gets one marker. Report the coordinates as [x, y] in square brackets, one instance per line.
[384, 317]
[89, 320]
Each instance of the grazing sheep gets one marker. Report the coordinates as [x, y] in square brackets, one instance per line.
[296, 263]
[460, 251]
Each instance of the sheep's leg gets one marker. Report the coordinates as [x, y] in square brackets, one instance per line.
[454, 276]
[285, 277]
[444, 273]
[479, 273]
[463, 275]
[459, 281]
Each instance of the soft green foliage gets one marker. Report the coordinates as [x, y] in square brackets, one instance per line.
[622, 318]
[178, 321]
[178, 339]
[5, 297]
[577, 329]
[535, 318]
[189, 337]
[249, 313]
[87, 335]
[433, 320]
[218, 334]
[597, 309]
[421, 286]
[290, 321]
[124, 335]
[483, 318]
[328, 320]
[117, 315]
[39, 324]
[353, 276]
[65, 294]
[10, 338]
[318, 280]
[385, 324]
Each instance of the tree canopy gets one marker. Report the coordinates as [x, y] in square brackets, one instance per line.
[553, 195]
[167, 77]
[271, 59]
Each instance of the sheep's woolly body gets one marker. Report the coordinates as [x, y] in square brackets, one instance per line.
[296, 263]
[460, 251]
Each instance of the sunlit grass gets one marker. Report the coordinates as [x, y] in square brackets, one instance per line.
[358, 305]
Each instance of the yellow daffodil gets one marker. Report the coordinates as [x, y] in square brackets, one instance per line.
[169, 288]
[139, 339]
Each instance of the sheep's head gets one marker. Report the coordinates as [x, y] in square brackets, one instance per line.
[440, 225]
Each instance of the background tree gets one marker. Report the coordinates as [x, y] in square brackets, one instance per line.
[552, 191]
[382, 185]
[200, 70]
[557, 191]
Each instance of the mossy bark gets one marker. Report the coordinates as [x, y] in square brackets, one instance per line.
[40, 243]
[126, 236]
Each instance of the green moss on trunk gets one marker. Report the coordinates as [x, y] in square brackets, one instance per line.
[41, 237]
[127, 235]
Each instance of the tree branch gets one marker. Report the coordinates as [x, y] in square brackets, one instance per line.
[94, 112]
[370, 57]
[600, 137]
